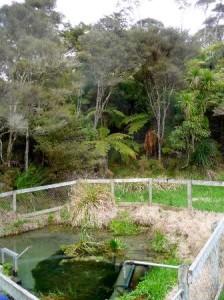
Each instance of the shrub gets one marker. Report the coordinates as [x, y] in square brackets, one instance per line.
[206, 154]
[151, 166]
[8, 269]
[92, 205]
[32, 177]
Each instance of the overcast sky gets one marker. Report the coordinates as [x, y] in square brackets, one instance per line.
[166, 11]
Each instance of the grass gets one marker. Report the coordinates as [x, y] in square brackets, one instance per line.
[222, 296]
[204, 198]
[158, 281]
[156, 284]
[123, 226]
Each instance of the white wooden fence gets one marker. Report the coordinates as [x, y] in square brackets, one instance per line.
[204, 279]
[14, 290]
[60, 192]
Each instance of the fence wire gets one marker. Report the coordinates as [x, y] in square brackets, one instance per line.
[6, 204]
[41, 200]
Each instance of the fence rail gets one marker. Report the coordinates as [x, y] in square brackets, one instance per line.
[15, 290]
[204, 279]
[56, 195]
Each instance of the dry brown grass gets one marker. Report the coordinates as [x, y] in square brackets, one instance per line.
[189, 229]
[92, 205]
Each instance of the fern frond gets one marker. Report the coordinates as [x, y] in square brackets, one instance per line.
[117, 137]
[124, 150]
[136, 122]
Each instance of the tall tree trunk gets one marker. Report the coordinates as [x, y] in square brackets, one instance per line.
[1, 150]
[26, 157]
[12, 138]
[159, 137]
[102, 100]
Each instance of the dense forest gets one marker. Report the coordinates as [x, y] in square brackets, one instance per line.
[110, 98]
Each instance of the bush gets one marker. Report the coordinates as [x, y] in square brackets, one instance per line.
[32, 177]
[92, 205]
[151, 166]
[8, 269]
[206, 154]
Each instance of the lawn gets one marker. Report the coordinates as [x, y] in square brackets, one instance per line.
[204, 198]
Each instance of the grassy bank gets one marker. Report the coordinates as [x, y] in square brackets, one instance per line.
[156, 284]
[204, 198]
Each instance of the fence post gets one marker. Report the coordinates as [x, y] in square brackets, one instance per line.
[112, 188]
[189, 194]
[14, 202]
[150, 190]
[183, 281]
[215, 261]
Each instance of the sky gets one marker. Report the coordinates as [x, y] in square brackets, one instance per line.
[89, 11]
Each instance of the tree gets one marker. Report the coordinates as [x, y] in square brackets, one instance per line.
[204, 92]
[162, 55]
[213, 29]
[105, 59]
[118, 142]
[31, 46]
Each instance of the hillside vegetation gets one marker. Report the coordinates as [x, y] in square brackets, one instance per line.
[109, 99]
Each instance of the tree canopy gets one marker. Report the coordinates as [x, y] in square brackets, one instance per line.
[77, 100]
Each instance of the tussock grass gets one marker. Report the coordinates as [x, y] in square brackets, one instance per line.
[92, 205]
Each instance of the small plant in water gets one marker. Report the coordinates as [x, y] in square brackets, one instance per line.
[124, 226]
[51, 219]
[116, 248]
[161, 245]
[65, 215]
[8, 269]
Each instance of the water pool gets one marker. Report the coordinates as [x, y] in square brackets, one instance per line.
[41, 257]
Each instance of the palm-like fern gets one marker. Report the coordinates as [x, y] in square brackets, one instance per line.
[119, 142]
[136, 122]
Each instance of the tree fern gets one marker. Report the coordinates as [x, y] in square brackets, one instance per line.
[118, 142]
[136, 122]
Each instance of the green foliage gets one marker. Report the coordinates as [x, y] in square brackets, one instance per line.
[123, 78]
[136, 122]
[51, 219]
[8, 269]
[65, 214]
[206, 154]
[90, 249]
[113, 141]
[123, 226]
[17, 225]
[161, 245]
[156, 284]
[34, 176]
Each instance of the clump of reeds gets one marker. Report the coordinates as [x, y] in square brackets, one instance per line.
[92, 205]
